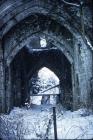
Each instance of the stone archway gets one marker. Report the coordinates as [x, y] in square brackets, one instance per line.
[26, 63]
[65, 36]
[26, 31]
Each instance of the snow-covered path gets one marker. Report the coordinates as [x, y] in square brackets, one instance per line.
[37, 123]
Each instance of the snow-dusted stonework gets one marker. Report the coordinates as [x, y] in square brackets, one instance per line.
[22, 24]
[56, 35]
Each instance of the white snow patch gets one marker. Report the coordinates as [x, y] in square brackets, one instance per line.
[43, 42]
[88, 42]
[36, 100]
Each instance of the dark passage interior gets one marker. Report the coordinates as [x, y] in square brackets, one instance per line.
[27, 63]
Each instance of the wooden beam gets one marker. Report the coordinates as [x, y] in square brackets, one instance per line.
[50, 88]
[43, 94]
[46, 91]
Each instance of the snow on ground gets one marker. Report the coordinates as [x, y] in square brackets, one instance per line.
[37, 123]
[31, 123]
[74, 125]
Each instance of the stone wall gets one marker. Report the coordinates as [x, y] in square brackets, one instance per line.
[22, 20]
[83, 68]
[2, 92]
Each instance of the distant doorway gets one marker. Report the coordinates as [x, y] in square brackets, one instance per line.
[44, 87]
